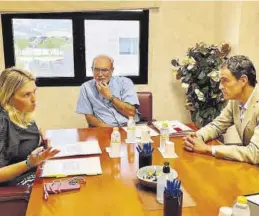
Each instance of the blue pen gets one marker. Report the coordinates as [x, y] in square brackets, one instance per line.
[173, 188]
[173, 184]
[179, 184]
[145, 149]
[139, 149]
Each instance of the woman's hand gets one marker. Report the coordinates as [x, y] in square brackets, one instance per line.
[40, 154]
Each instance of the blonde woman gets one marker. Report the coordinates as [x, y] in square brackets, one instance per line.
[20, 149]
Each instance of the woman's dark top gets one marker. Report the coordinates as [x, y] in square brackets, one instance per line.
[16, 144]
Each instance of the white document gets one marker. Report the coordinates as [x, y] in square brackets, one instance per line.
[60, 136]
[139, 129]
[78, 148]
[109, 151]
[70, 167]
[173, 155]
[253, 198]
[137, 141]
[176, 128]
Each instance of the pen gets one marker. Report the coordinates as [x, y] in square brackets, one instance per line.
[43, 141]
[55, 176]
[139, 149]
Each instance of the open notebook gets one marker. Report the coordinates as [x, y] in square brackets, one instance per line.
[77, 148]
[176, 128]
[70, 167]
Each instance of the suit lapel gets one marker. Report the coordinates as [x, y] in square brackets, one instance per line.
[254, 102]
[238, 121]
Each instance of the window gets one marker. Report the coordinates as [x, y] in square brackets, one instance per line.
[104, 36]
[59, 47]
[128, 46]
[44, 46]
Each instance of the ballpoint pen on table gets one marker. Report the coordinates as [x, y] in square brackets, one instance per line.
[173, 188]
[146, 150]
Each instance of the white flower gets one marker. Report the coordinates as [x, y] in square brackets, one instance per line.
[202, 98]
[199, 94]
[190, 67]
[185, 61]
[192, 61]
[185, 85]
[188, 61]
[214, 75]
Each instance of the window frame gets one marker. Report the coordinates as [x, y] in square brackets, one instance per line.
[78, 29]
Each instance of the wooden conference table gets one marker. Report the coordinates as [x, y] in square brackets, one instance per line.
[211, 182]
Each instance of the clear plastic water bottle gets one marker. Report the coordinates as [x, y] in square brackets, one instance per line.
[164, 135]
[225, 211]
[131, 130]
[161, 183]
[115, 142]
[241, 207]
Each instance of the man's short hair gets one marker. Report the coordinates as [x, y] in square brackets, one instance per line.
[241, 65]
[105, 56]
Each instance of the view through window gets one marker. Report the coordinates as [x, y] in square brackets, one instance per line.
[44, 46]
[118, 39]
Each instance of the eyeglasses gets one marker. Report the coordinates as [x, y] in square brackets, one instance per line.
[102, 70]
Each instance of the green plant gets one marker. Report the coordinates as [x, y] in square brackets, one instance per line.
[199, 75]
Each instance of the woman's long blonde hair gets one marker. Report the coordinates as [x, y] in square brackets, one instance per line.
[11, 80]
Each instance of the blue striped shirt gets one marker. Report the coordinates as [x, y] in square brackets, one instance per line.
[92, 102]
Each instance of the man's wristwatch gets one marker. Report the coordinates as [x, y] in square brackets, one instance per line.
[28, 163]
[111, 99]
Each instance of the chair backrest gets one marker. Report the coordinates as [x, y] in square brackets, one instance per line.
[146, 106]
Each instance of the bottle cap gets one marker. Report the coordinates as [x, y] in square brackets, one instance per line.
[225, 211]
[130, 117]
[242, 199]
[115, 129]
[166, 167]
[165, 124]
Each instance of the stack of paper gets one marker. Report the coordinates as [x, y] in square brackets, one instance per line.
[176, 128]
[70, 167]
[139, 128]
[78, 148]
[59, 136]
[143, 134]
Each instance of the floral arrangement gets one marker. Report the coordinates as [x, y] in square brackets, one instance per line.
[199, 75]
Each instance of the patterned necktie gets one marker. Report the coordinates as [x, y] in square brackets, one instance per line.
[242, 112]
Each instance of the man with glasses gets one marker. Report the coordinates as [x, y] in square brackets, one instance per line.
[238, 85]
[107, 100]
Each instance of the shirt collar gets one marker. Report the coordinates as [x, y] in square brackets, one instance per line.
[244, 106]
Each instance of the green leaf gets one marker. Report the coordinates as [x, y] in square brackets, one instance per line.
[205, 90]
[201, 75]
